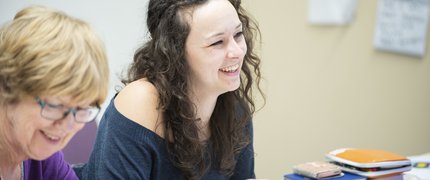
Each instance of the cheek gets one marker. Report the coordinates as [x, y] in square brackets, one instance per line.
[78, 127]
[26, 128]
[199, 64]
[244, 48]
[28, 119]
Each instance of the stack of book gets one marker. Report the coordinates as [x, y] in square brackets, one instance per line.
[320, 170]
[369, 163]
[343, 176]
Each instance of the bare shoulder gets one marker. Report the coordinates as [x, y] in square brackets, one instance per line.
[138, 101]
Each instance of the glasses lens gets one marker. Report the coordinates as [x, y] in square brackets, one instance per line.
[57, 112]
[86, 115]
[52, 112]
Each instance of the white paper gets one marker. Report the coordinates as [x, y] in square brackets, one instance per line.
[422, 173]
[401, 26]
[331, 12]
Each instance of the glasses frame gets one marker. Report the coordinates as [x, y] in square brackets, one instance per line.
[43, 103]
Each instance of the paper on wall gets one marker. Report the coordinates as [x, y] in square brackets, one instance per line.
[331, 12]
[401, 26]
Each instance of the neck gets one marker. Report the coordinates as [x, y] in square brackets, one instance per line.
[205, 106]
[10, 161]
[10, 158]
[12, 172]
[205, 101]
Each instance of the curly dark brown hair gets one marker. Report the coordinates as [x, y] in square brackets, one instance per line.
[162, 62]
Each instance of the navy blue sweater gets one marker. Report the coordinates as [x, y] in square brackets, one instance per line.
[127, 150]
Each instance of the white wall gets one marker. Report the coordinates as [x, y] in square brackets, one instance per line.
[328, 88]
[120, 24]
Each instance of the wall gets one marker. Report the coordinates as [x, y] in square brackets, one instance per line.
[328, 88]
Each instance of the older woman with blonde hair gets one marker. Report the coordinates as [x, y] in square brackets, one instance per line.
[53, 77]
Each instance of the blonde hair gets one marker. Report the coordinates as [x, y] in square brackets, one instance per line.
[46, 52]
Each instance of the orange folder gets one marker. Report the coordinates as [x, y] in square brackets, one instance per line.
[366, 156]
[369, 162]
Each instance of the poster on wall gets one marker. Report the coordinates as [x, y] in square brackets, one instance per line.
[401, 26]
[331, 12]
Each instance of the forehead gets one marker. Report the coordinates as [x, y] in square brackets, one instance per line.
[66, 100]
[212, 17]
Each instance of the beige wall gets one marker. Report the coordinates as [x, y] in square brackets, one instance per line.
[328, 88]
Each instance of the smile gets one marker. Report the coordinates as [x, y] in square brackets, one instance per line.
[230, 69]
[51, 136]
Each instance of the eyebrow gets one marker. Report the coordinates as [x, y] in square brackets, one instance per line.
[221, 33]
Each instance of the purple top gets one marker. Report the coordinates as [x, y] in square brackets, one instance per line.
[52, 168]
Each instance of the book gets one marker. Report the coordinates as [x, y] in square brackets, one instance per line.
[376, 174]
[368, 158]
[345, 176]
[389, 177]
[368, 162]
[317, 169]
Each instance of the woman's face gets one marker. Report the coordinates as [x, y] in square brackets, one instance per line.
[38, 138]
[215, 47]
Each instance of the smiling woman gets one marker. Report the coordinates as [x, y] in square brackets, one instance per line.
[186, 109]
[53, 77]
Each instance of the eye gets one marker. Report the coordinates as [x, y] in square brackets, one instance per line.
[238, 35]
[54, 106]
[216, 43]
[86, 108]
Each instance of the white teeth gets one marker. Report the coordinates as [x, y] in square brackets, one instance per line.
[230, 68]
[50, 136]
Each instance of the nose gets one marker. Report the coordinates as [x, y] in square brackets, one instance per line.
[235, 49]
[67, 123]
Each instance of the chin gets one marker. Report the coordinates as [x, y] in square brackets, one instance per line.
[233, 89]
[42, 156]
[43, 153]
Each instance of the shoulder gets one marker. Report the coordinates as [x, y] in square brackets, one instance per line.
[139, 101]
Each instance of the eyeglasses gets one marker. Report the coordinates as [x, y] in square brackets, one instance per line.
[57, 112]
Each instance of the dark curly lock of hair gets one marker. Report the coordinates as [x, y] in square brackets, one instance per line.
[162, 61]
